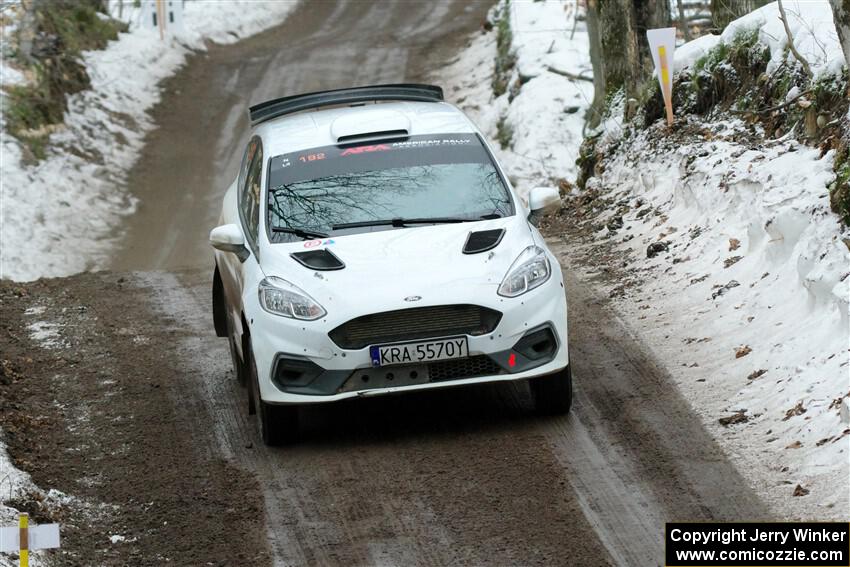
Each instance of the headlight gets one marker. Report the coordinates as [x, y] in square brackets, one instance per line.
[529, 270]
[280, 297]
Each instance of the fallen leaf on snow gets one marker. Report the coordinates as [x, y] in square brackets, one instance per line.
[743, 351]
[796, 410]
[794, 445]
[757, 374]
[737, 417]
[731, 260]
[800, 491]
[734, 244]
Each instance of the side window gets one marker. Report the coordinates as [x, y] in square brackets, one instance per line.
[249, 191]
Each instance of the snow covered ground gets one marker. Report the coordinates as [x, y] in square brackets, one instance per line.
[60, 216]
[746, 302]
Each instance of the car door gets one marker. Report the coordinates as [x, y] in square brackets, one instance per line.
[235, 272]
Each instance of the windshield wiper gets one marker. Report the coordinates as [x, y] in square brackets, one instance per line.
[300, 232]
[400, 223]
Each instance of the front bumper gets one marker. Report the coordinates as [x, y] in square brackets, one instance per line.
[297, 363]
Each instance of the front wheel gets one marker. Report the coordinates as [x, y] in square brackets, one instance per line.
[238, 365]
[277, 425]
[553, 394]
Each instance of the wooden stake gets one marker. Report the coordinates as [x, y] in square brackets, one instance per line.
[160, 18]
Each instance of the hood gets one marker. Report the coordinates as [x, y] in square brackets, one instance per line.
[385, 267]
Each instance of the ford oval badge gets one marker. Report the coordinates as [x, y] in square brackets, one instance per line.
[412, 298]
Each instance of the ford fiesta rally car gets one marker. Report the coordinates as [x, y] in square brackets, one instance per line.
[371, 244]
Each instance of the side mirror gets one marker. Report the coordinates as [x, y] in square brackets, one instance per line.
[543, 201]
[229, 238]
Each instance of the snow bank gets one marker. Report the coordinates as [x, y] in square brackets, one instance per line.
[60, 216]
[748, 304]
[811, 25]
[690, 52]
[547, 116]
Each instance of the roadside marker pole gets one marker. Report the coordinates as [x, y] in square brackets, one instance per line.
[667, 83]
[160, 19]
[662, 45]
[25, 538]
[24, 553]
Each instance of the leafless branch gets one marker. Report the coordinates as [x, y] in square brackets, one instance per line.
[569, 75]
[797, 56]
[772, 108]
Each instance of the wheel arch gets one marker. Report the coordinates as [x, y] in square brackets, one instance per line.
[219, 305]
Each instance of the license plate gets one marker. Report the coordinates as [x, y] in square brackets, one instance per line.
[423, 351]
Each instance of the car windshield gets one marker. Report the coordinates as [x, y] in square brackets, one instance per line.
[379, 186]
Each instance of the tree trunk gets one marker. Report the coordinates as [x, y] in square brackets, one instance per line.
[594, 113]
[28, 29]
[724, 11]
[633, 59]
[648, 14]
[686, 29]
[841, 17]
[619, 45]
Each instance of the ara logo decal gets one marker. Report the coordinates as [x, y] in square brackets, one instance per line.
[364, 149]
[314, 243]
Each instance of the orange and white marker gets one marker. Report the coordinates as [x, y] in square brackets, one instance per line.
[160, 18]
[24, 538]
[662, 45]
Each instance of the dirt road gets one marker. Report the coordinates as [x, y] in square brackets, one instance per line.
[194, 154]
[115, 391]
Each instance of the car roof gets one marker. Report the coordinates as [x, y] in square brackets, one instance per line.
[317, 128]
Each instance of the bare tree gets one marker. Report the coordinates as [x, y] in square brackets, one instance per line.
[686, 29]
[841, 17]
[594, 113]
[784, 17]
[27, 29]
[724, 11]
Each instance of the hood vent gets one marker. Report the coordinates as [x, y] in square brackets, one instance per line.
[371, 137]
[322, 259]
[483, 240]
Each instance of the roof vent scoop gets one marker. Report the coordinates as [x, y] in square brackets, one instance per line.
[483, 240]
[370, 124]
[322, 260]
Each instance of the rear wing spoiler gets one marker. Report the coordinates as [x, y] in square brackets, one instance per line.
[296, 103]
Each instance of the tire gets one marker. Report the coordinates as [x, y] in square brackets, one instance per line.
[553, 394]
[239, 370]
[219, 308]
[277, 425]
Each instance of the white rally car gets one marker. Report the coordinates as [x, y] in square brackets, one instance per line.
[372, 245]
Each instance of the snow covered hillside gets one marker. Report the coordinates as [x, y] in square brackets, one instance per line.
[540, 126]
[715, 241]
[61, 215]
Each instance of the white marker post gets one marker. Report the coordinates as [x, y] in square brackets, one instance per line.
[662, 44]
[163, 15]
[24, 538]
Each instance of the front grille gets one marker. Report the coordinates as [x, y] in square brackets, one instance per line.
[415, 323]
[463, 368]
